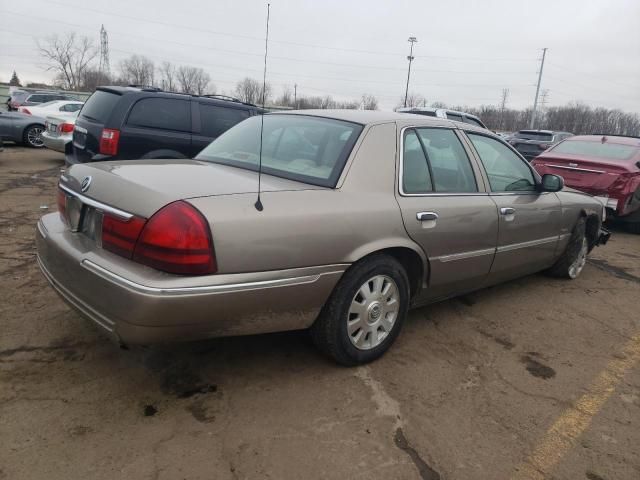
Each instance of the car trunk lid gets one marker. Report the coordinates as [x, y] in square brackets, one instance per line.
[141, 187]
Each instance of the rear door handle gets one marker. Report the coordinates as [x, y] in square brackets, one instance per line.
[425, 216]
[507, 211]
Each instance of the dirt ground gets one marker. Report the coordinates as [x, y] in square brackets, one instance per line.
[538, 378]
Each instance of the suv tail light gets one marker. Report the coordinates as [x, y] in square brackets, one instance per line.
[177, 239]
[65, 128]
[109, 141]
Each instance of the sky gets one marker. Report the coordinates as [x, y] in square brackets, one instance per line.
[467, 51]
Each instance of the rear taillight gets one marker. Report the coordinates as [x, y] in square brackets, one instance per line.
[119, 236]
[177, 239]
[65, 127]
[109, 141]
[24, 110]
[62, 205]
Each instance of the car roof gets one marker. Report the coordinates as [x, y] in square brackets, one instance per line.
[373, 117]
[134, 89]
[618, 139]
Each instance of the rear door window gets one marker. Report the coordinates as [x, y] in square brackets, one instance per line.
[161, 113]
[434, 160]
[99, 106]
[216, 120]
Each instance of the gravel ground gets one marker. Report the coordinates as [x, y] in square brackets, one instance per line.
[537, 378]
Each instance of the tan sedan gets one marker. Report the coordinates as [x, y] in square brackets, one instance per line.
[365, 214]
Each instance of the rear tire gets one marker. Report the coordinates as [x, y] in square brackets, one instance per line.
[365, 312]
[33, 136]
[572, 261]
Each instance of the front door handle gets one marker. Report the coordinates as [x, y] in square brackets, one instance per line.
[507, 211]
[425, 216]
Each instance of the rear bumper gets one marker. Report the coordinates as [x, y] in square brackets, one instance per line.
[58, 143]
[134, 304]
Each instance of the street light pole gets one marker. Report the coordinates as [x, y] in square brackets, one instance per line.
[412, 40]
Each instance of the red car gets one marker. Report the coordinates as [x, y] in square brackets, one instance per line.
[605, 166]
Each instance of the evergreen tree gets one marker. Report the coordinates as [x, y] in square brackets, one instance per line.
[15, 81]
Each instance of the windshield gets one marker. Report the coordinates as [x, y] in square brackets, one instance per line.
[304, 148]
[540, 136]
[611, 151]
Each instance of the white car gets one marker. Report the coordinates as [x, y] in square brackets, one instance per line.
[58, 131]
[52, 108]
[444, 113]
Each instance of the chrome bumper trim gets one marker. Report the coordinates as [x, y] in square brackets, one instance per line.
[206, 289]
[97, 205]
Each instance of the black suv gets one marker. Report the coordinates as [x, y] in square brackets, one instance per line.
[531, 143]
[125, 123]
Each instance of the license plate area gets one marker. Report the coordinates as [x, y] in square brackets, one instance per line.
[83, 219]
[79, 137]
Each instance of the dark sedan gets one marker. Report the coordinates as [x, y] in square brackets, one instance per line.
[531, 143]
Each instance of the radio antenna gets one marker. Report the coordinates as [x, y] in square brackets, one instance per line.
[258, 203]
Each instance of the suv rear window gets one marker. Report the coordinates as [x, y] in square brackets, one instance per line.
[613, 151]
[161, 113]
[99, 106]
[307, 149]
[39, 98]
[216, 120]
[540, 136]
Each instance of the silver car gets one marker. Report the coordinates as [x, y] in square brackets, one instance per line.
[358, 217]
[21, 128]
[58, 131]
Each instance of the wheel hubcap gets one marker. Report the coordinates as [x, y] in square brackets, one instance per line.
[35, 137]
[580, 261]
[373, 312]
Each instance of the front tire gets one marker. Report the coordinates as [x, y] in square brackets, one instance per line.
[365, 312]
[33, 136]
[574, 258]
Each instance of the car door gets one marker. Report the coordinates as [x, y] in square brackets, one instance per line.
[157, 127]
[446, 210]
[9, 129]
[530, 220]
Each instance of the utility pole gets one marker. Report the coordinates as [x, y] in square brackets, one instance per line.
[503, 105]
[295, 95]
[411, 40]
[535, 102]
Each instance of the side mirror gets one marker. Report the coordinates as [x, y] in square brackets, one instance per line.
[551, 183]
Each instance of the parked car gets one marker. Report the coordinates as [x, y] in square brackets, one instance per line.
[444, 113]
[58, 131]
[20, 98]
[364, 214]
[122, 123]
[531, 143]
[21, 128]
[54, 106]
[606, 166]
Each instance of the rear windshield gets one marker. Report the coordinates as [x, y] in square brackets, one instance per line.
[99, 105]
[303, 148]
[540, 136]
[612, 151]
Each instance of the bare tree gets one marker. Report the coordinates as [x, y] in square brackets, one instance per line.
[168, 74]
[286, 99]
[92, 78]
[193, 80]
[69, 57]
[413, 100]
[250, 90]
[369, 102]
[137, 70]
